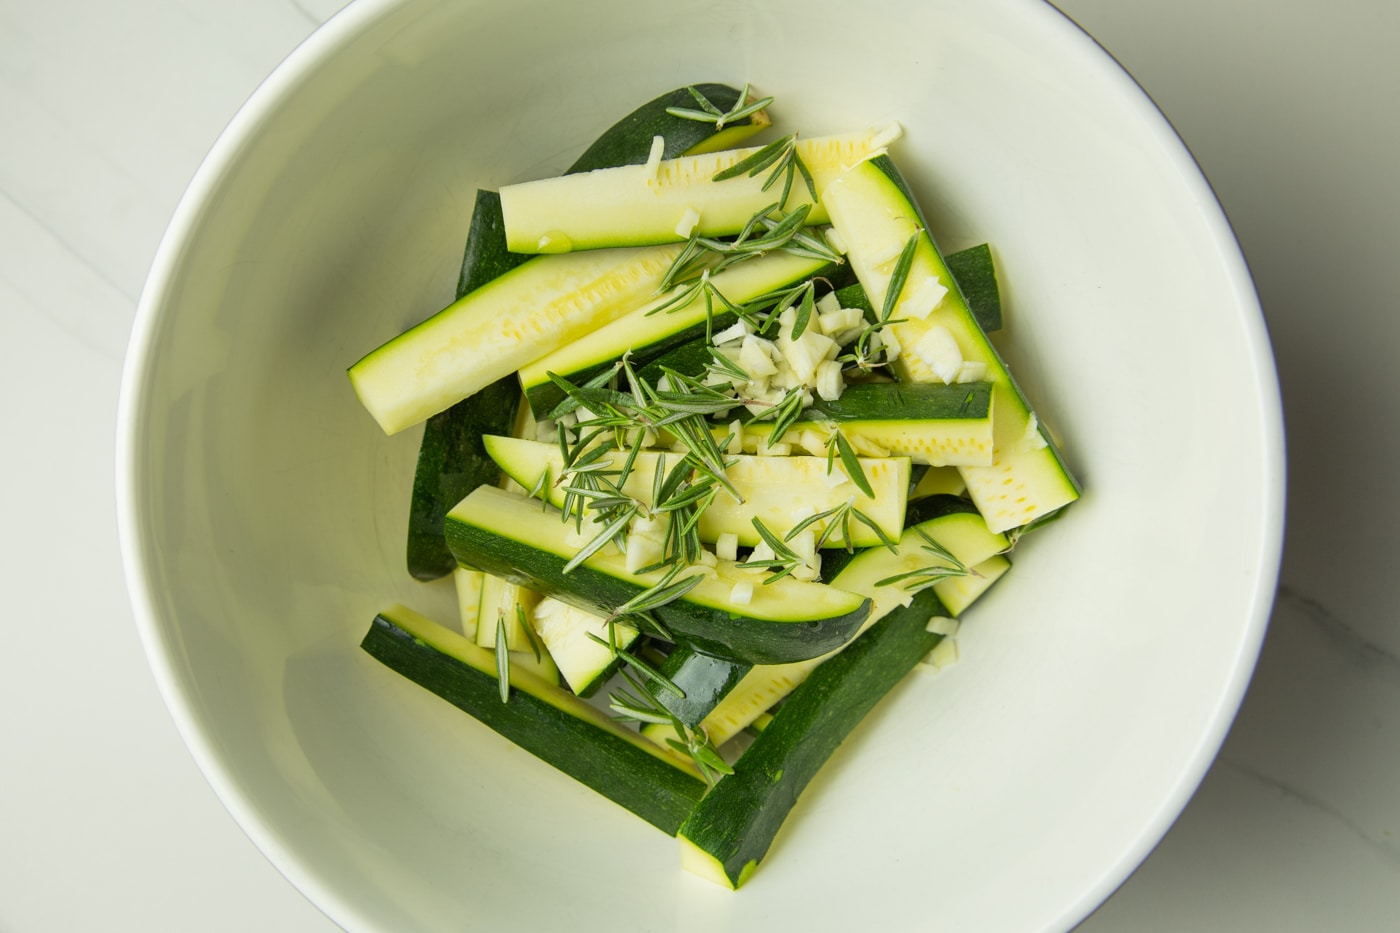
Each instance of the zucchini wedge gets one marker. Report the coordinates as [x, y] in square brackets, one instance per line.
[874, 212]
[646, 333]
[491, 332]
[789, 620]
[450, 460]
[731, 829]
[584, 663]
[667, 202]
[545, 720]
[776, 490]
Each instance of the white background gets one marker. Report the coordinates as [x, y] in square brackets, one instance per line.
[106, 110]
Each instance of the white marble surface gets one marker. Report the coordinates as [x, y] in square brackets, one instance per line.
[106, 110]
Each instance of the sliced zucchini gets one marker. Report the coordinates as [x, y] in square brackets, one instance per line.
[639, 205]
[929, 423]
[545, 720]
[646, 333]
[515, 538]
[875, 215]
[779, 491]
[493, 331]
[728, 832]
[953, 523]
[450, 461]
[569, 634]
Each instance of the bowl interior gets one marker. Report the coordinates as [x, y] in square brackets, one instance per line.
[264, 512]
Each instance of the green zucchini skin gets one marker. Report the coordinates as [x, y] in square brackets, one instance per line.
[737, 821]
[975, 272]
[895, 401]
[450, 455]
[703, 678]
[451, 459]
[656, 791]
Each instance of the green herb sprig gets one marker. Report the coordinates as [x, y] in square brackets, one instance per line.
[709, 113]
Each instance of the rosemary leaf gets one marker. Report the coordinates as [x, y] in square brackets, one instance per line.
[899, 276]
[502, 659]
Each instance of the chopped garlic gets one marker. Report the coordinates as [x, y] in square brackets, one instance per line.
[738, 331]
[742, 594]
[842, 324]
[972, 371]
[942, 625]
[828, 303]
[727, 546]
[642, 551]
[886, 136]
[923, 300]
[830, 382]
[944, 654]
[833, 239]
[775, 450]
[1032, 439]
[938, 348]
[800, 515]
[653, 166]
[755, 359]
[686, 225]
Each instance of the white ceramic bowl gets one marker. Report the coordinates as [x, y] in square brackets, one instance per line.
[263, 512]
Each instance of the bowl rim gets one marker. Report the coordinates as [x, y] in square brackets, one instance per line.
[312, 52]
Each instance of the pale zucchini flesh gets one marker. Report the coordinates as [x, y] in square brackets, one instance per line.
[640, 204]
[491, 332]
[579, 642]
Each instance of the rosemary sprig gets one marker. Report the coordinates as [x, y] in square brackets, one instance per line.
[666, 590]
[924, 577]
[709, 113]
[782, 161]
[840, 516]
